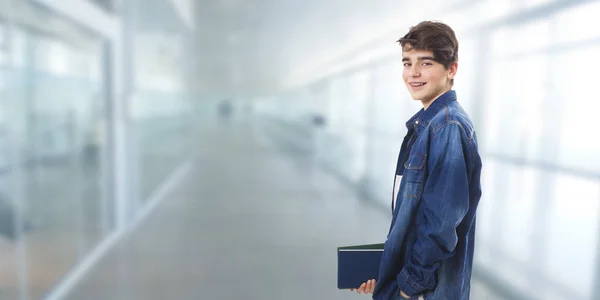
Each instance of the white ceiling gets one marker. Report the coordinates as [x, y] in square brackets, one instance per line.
[255, 46]
[249, 47]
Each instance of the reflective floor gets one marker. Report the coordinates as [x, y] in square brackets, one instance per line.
[250, 220]
[67, 215]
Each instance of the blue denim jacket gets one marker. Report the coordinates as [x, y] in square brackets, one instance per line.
[429, 248]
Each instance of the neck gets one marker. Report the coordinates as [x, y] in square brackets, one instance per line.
[427, 103]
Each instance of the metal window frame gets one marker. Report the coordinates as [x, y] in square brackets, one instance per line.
[117, 59]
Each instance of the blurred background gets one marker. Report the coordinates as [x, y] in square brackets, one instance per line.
[223, 149]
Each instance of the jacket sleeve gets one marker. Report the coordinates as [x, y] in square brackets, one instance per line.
[445, 202]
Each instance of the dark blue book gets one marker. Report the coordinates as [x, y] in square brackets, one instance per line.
[357, 264]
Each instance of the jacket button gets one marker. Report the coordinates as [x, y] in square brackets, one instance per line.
[417, 122]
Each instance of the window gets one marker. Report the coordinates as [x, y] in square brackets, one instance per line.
[578, 146]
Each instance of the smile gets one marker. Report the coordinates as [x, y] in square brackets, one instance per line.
[417, 85]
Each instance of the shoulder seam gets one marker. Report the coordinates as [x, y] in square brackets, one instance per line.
[448, 122]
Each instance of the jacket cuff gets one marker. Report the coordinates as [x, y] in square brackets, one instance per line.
[407, 284]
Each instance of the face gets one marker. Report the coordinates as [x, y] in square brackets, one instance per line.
[425, 78]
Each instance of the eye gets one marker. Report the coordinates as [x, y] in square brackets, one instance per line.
[427, 64]
[406, 64]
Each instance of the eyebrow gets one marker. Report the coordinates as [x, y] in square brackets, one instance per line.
[419, 58]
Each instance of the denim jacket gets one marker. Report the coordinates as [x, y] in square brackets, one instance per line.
[429, 248]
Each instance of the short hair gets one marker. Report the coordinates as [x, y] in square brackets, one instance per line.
[435, 36]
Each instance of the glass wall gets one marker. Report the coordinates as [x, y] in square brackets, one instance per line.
[161, 107]
[57, 201]
[55, 205]
[57, 141]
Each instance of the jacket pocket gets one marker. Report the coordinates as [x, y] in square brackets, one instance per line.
[399, 297]
[414, 175]
[415, 162]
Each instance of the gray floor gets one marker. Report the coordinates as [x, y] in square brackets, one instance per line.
[249, 221]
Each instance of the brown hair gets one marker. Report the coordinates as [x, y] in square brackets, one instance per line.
[435, 36]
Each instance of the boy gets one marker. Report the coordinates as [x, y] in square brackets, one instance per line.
[428, 253]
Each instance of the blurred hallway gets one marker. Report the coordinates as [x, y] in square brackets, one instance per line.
[248, 220]
[107, 106]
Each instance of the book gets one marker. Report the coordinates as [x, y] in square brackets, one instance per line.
[357, 264]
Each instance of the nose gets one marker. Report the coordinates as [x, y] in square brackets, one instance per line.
[414, 72]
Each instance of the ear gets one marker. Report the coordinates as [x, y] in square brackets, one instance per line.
[452, 69]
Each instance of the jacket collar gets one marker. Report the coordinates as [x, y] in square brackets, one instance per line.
[422, 118]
